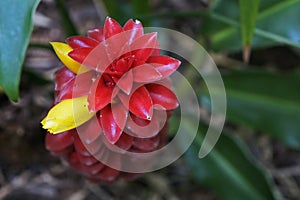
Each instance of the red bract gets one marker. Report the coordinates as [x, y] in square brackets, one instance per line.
[126, 84]
[120, 60]
[84, 156]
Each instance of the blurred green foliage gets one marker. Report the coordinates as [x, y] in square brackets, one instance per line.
[229, 169]
[266, 101]
[277, 23]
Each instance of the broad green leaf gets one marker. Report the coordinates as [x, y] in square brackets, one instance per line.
[248, 14]
[277, 23]
[229, 170]
[15, 30]
[265, 101]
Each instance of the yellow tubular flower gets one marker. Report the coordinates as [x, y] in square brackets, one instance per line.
[67, 115]
[62, 50]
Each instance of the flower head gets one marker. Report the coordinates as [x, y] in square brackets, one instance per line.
[114, 69]
[114, 91]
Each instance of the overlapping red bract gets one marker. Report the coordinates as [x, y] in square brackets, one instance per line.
[128, 86]
[83, 155]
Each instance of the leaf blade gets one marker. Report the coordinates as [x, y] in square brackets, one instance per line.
[230, 165]
[271, 105]
[14, 36]
[248, 15]
[276, 24]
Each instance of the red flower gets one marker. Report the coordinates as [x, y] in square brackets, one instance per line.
[115, 82]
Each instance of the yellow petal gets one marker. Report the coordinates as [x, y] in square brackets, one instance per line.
[67, 115]
[62, 50]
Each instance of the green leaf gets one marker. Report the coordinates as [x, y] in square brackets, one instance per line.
[229, 170]
[265, 101]
[15, 30]
[277, 23]
[248, 14]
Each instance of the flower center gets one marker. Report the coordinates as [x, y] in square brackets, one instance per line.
[122, 64]
[108, 81]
